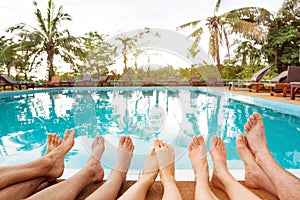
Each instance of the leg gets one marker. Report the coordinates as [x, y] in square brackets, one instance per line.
[255, 177]
[109, 190]
[141, 187]
[51, 165]
[286, 184]
[166, 162]
[197, 155]
[70, 188]
[25, 189]
[221, 176]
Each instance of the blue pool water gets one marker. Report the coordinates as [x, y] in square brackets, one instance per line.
[172, 114]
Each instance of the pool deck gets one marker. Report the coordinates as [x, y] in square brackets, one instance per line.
[264, 95]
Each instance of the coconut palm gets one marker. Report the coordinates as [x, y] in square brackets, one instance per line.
[247, 21]
[47, 39]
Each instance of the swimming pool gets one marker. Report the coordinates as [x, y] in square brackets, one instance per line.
[173, 114]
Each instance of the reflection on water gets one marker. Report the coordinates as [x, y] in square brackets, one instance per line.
[174, 115]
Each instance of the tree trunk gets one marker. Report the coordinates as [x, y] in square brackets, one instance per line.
[50, 65]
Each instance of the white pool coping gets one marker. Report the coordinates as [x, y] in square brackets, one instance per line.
[180, 175]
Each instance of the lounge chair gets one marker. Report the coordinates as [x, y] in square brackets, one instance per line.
[295, 86]
[147, 81]
[69, 82]
[55, 82]
[281, 78]
[12, 83]
[195, 81]
[255, 80]
[214, 81]
[103, 80]
[125, 81]
[293, 76]
[86, 80]
[172, 80]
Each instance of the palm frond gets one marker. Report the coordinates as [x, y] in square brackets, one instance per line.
[248, 29]
[217, 6]
[41, 22]
[251, 14]
[189, 24]
[197, 33]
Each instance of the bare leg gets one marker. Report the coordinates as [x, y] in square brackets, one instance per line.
[221, 176]
[166, 162]
[197, 155]
[71, 187]
[286, 184]
[25, 189]
[51, 165]
[141, 187]
[255, 177]
[110, 189]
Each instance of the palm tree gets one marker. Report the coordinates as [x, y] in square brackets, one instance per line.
[47, 39]
[99, 53]
[246, 21]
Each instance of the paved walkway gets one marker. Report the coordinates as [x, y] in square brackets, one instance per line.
[264, 95]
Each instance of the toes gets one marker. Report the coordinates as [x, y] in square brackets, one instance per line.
[100, 140]
[59, 141]
[156, 144]
[66, 134]
[214, 141]
[72, 133]
[122, 140]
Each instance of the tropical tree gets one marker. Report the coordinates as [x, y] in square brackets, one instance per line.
[47, 40]
[98, 53]
[128, 43]
[247, 21]
[7, 54]
[283, 41]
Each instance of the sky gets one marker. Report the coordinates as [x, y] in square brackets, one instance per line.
[111, 17]
[114, 16]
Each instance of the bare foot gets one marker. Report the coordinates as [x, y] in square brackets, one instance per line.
[255, 134]
[166, 160]
[93, 166]
[255, 177]
[218, 154]
[57, 155]
[53, 141]
[124, 154]
[150, 170]
[197, 155]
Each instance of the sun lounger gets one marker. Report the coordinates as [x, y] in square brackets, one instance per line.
[295, 87]
[125, 81]
[69, 82]
[255, 81]
[195, 81]
[86, 80]
[281, 78]
[147, 81]
[103, 80]
[214, 81]
[55, 82]
[281, 89]
[172, 80]
[12, 83]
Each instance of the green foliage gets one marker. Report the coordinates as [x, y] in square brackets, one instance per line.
[283, 47]
[47, 39]
[231, 72]
[98, 54]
